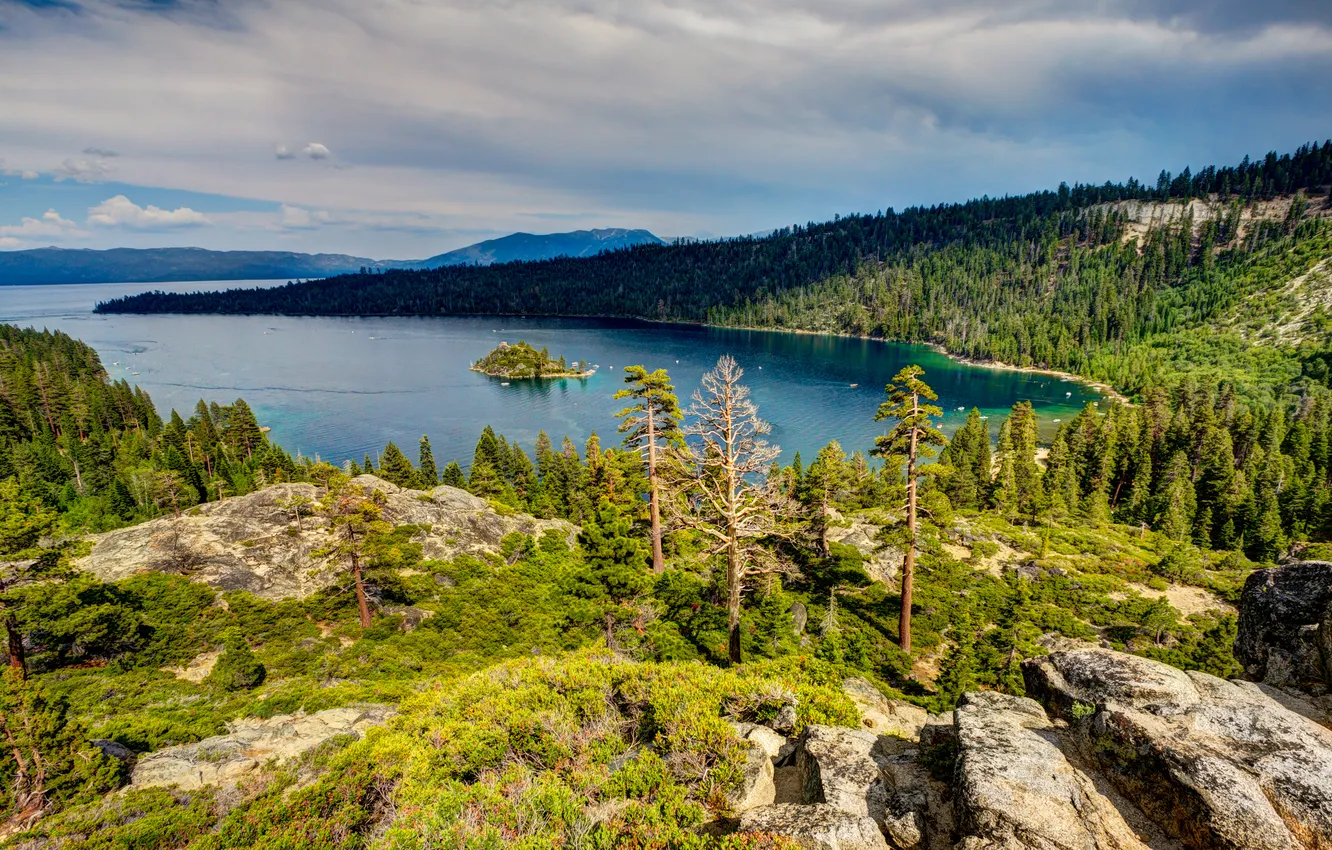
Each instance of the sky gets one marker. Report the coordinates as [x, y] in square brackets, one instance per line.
[403, 128]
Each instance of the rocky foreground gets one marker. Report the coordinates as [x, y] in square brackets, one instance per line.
[268, 542]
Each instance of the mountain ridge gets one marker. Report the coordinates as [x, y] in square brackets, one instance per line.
[52, 265]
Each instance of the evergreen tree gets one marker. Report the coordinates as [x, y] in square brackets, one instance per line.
[237, 669]
[427, 473]
[453, 475]
[967, 455]
[614, 576]
[913, 438]
[395, 468]
[649, 424]
[1017, 486]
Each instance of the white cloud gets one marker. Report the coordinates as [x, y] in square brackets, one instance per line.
[29, 175]
[284, 152]
[298, 218]
[52, 225]
[315, 150]
[120, 211]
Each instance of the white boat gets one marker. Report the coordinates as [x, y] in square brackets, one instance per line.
[504, 383]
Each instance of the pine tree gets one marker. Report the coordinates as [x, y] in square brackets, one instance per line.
[427, 474]
[395, 468]
[1017, 486]
[614, 575]
[242, 429]
[649, 424]
[968, 456]
[453, 475]
[913, 438]
[823, 486]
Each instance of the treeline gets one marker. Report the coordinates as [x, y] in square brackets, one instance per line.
[690, 280]
[1194, 464]
[93, 454]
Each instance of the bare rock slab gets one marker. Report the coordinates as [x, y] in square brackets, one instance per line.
[256, 543]
[1015, 788]
[815, 827]
[1216, 764]
[1285, 626]
[249, 744]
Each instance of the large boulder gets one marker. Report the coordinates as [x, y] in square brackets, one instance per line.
[1217, 765]
[1016, 789]
[838, 767]
[1285, 626]
[257, 542]
[815, 827]
[250, 744]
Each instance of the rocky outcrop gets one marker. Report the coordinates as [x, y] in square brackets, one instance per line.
[1213, 763]
[249, 744]
[815, 827]
[882, 562]
[257, 543]
[1285, 626]
[1015, 788]
[882, 715]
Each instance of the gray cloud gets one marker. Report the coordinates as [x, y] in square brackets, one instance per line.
[682, 115]
[100, 153]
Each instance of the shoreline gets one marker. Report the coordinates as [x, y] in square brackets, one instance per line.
[551, 377]
[1107, 391]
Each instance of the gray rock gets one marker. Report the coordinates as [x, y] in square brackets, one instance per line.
[249, 744]
[1215, 764]
[799, 617]
[756, 786]
[252, 542]
[776, 746]
[785, 720]
[837, 767]
[815, 827]
[1015, 789]
[881, 715]
[1285, 635]
[117, 751]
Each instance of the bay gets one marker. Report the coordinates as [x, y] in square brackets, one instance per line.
[343, 387]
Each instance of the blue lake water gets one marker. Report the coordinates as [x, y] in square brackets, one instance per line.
[340, 388]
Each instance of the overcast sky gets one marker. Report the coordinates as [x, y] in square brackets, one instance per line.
[402, 128]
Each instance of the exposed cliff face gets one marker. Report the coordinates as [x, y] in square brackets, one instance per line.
[257, 543]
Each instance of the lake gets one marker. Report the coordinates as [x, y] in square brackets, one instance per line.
[340, 388]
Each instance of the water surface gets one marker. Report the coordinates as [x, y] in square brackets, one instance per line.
[342, 387]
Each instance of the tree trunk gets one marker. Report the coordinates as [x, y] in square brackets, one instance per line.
[909, 562]
[17, 659]
[362, 603]
[654, 504]
[733, 587]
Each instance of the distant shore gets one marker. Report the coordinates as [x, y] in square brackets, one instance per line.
[1100, 386]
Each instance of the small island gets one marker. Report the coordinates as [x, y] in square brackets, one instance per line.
[522, 361]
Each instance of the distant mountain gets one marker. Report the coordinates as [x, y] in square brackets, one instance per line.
[156, 265]
[159, 265]
[530, 246]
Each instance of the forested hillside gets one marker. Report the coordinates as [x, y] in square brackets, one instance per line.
[97, 452]
[1063, 279]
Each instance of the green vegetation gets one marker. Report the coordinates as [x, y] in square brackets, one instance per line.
[523, 361]
[554, 695]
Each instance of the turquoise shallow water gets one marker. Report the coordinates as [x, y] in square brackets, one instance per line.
[342, 387]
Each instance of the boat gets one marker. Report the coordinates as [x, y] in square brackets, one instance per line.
[855, 385]
[504, 383]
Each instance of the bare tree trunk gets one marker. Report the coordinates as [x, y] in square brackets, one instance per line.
[654, 504]
[733, 587]
[17, 659]
[909, 562]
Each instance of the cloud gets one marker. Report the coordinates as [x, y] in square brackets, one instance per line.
[726, 116]
[313, 150]
[83, 170]
[120, 211]
[297, 218]
[51, 225]
[101, 153]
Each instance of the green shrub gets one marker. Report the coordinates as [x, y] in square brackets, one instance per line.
[237, 669]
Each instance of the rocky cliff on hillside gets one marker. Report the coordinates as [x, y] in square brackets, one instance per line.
[258, 543]
[1107, 752]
